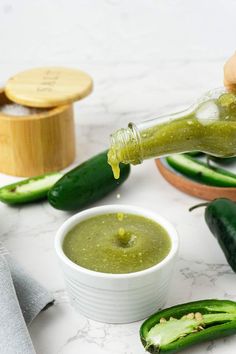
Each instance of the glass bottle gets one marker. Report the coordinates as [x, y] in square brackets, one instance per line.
[208, 126]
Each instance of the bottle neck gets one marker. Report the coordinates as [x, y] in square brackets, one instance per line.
[136, 142]
[125, 145]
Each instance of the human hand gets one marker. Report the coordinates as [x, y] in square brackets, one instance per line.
[230, 73]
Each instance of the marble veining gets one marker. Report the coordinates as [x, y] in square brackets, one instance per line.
[147, 57]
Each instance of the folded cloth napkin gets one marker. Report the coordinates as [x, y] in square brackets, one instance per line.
[21, 299]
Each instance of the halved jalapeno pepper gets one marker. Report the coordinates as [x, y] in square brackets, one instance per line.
[178, 327]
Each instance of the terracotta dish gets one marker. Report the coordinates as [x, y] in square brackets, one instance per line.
[194, 188]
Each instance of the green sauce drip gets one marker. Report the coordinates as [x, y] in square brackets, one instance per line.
[114, 162]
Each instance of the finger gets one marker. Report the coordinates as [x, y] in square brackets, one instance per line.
[230, 73]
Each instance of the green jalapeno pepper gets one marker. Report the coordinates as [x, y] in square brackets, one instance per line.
[29, 190]
[201, 171]
[220, 216]
[178, 327]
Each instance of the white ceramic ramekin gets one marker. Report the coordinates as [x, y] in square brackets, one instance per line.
[117, 298]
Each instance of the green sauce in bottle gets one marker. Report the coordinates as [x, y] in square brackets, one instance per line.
[208, 126]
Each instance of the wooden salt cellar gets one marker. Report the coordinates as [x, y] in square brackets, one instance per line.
[42, 142]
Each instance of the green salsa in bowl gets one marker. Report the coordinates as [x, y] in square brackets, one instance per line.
[117, 261]
[117, 243]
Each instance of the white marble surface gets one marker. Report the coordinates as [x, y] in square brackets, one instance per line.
[146, 57]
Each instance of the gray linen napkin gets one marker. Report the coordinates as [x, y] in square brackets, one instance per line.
[21, 299]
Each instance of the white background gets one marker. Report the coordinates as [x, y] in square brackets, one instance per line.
[146, 57]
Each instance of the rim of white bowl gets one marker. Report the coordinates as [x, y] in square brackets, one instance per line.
[115, 208]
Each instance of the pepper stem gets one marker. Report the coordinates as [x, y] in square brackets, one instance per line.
[198, 206]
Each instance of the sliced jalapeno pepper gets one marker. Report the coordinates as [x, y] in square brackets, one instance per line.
[201, 171]
[29, 190]
[178, 327]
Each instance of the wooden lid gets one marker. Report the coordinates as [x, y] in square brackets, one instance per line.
[191, 187]
[48, 87]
